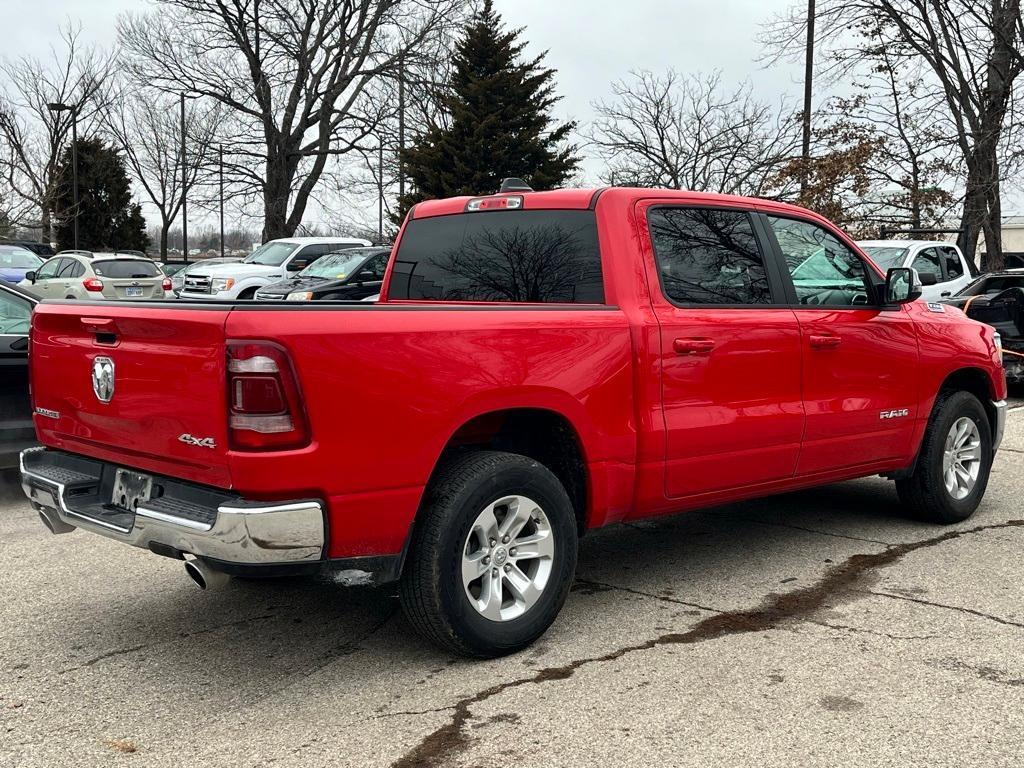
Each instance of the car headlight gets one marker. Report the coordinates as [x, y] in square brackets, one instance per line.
[219, 284]
[300, 296]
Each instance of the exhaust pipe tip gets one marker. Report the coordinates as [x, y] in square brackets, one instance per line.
[204, 576]
[53, 523]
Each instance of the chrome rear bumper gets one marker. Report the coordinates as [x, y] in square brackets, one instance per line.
[184, 519]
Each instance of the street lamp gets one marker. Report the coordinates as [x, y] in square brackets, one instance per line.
[57, 107]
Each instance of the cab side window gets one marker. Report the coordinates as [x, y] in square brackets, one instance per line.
[824, 271]
[927, 262]
[954, 267]
[708, 256]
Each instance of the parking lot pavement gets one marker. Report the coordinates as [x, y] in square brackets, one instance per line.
[816, 628]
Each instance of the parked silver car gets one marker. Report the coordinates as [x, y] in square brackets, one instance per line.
[110, 276]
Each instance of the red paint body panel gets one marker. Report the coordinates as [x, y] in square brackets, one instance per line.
[763, 409]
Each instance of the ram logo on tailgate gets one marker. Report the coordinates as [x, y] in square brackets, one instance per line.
[103, 378]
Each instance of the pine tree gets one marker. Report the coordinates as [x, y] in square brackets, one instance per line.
[499, 122]
[108, 218]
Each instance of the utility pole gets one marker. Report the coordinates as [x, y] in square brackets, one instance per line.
[401, 127]
[380, 190]
[220, 160]
[184, 186]
[808, 85]
[73, 109]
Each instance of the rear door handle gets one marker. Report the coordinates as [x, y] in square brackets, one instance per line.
[819, 341]
[693, 346]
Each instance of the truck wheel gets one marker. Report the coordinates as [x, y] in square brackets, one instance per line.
[492, 556]
[952, 469]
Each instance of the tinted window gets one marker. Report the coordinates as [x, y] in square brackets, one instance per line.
[123, 268]
[824, 271]
[708, 256]
[927, 261]
[954, 268]
[531, 256]
[376, 267]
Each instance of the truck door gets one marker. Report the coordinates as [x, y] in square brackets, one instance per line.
[730, 352]
[859, 358]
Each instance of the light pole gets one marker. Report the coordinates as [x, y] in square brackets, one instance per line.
[184, 186]
[808, 86]
[58, 107]
[220, 161]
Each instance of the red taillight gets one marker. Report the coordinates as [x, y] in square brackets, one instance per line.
[167, 284]
[264, 404]
[93, 284]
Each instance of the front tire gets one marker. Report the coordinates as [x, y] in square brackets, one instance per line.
[953, 468]
[492, 557]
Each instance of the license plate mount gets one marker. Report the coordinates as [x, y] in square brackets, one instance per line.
[130, 489]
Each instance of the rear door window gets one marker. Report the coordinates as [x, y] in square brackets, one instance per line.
[500, 256]
[125, 268]
[927, 261]
[708, 256]
[954, 267]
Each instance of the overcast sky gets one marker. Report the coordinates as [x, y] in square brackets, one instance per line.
[591, 43]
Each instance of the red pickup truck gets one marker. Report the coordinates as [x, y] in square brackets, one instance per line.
[539, 364]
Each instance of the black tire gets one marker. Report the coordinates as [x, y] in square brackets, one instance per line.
[924, 493]
[431, 590]
[248, 293]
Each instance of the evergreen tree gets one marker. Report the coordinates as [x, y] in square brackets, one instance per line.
[108, 218]
[499, 122]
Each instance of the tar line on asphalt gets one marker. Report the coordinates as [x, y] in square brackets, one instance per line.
[445, 743]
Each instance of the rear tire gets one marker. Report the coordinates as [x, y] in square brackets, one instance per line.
[953, 467]
[479, 594]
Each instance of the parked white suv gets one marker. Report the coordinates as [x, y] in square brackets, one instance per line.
[270, 263]
[941, 266]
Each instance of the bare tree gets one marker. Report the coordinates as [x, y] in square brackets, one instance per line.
[292, 73]
[688, 132]
[34, 135]
[973, 50]
[146, 127]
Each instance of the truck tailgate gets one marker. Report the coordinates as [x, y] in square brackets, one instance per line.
[168, 386]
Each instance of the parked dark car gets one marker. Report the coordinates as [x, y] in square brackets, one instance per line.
[997, 299]
[39, 249]
[16, 429]
[16, 262]
[353, 273]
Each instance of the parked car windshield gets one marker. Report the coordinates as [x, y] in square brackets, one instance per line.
[271, 254]
[123, 268]
[334, 266]
[172, 269]
[18, 258]
[886, 257]
[15, 313]
[993, 284]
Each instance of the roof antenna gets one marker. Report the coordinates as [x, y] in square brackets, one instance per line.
[512, 184]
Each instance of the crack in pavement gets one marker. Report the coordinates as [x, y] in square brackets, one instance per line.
[823, 533]
[946, 606]
[663, 598]
[123, 651]
[875, 632]
[985, 672]
[444, 743]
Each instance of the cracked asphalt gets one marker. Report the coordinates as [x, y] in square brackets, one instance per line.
[815, 628]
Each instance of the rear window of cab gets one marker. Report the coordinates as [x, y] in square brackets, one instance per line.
[543, 256]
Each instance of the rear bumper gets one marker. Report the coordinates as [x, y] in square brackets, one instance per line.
[71, 492]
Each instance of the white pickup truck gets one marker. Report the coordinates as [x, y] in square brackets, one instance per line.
[270, 263]
[942, 268]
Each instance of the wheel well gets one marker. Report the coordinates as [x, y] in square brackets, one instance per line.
[545, 436]
[248, 293]
[975, 381]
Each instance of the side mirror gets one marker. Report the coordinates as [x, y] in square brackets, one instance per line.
[297, 264]
[31, 276]
[928, 278]
[902, 285]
